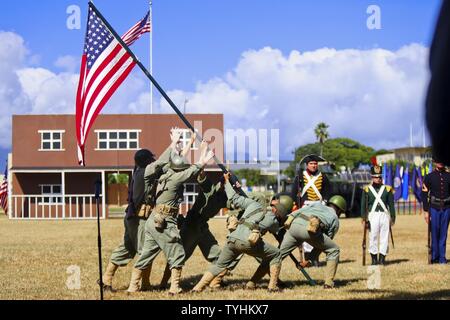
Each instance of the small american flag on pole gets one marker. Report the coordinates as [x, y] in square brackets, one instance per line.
[137, 30]
[4, 192]
[105, 64]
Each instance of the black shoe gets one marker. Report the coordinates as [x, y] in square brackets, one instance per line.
[374, 259]
[382, 260]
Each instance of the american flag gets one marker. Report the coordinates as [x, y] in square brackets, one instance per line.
[4, 192]
[137, 30]
[104, 66]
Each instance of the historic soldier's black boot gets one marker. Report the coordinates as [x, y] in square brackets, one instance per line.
[374, 259]
[382, 259]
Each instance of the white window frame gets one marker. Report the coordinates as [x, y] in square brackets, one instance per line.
[188, 194]
[51, 140]
[186, 138]
[51, 196]
[128, 140]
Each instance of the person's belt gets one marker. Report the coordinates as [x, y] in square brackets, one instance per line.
[250, 225]
[438, 201]
[167, 210]
[304, 217]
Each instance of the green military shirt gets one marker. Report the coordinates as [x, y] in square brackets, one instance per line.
[326, 215]
[210, 200]
[170, 185]
[368, 199]
[153, 170]
[265, 219]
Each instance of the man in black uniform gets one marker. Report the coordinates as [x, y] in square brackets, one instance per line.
[310, 186]
[436, 204]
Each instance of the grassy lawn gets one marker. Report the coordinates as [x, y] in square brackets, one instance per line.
[35, 257]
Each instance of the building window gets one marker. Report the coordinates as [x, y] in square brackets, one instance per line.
[117, 139]
[186, 138]
[51, 194]
[190, 193]
[51, 140]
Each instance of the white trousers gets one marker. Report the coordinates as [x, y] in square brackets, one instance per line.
[379, 231]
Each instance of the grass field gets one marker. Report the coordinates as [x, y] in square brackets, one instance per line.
[35, 257]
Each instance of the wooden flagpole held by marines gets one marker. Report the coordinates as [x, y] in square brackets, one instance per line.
[233, 178]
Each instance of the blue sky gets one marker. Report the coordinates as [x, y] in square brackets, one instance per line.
[197, 41]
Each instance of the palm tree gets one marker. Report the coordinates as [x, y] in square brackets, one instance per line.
[321, 132]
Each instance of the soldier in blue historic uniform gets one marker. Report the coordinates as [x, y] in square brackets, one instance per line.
[436, 204]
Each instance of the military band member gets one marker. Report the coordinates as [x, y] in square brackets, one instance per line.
[310, 185]
[436, 204]
[161, 231]
[247, 238]
[377, 207]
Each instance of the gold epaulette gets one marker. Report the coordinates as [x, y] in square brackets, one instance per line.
[389, 188]
[366, 188]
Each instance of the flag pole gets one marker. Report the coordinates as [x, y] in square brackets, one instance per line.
[151, 57]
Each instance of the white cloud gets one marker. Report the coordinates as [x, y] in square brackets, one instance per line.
[369, 95]
[68, 63]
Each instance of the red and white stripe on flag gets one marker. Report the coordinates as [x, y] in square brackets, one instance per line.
[105, 64]
[136, 31]
[4, 193]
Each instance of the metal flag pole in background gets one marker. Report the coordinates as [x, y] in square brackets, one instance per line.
[98, 184]
[151, 56]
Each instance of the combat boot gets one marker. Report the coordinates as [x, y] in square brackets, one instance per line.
[108, 276]
[274, 274]
[204, 281]
[330, 272]
[145, 286]
[175, 282]
[382, 260]
[374, 259]
[135, 282]
[257, 276]
[217, 281]
[165, 278]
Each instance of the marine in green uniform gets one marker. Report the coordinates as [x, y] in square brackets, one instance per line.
[377, 207]
[194, 230]
[316, 224]
[161, 232]
[247, 238]
[133, 237]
